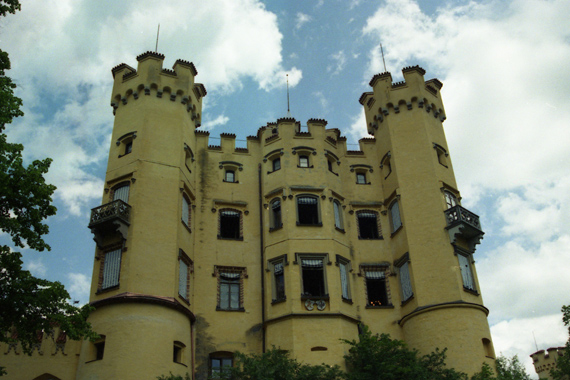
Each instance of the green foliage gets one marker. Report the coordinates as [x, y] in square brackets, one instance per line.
[562, 369]
[276, 364]
[174, 377]
[485, 374]
[27, 304]
[378, 357]
[507, 369]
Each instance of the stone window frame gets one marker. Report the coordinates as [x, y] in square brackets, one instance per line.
[441, 155]
[273, 223]
[242, 271]
[220, 215]
[361, 170]
[386, 164]
[395, 224]
[230, 166]
[188, 157]
[338, 224]
[378, 224]
[271, 157]
[304, 151]
[299, 257]
[125, 143]
[331, 159]
[319, 222]
[178, 352]
[465, 259]
[377, 267]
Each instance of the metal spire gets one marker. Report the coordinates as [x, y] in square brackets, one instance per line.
[288, 109]
[157, 33]
[382, 51]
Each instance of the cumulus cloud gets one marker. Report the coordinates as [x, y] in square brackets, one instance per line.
[37, 268]
[65, 83]
[321, 98]
[79, 287]
[211, 124]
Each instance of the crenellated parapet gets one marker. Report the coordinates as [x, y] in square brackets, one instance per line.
[388, 99]
[150, 79]
[545, 360]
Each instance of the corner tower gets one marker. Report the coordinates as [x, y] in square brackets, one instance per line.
[144, 253]
[427, 221]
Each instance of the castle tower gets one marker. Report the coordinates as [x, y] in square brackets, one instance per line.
[545, 360]
[145, 249]
[427, 223]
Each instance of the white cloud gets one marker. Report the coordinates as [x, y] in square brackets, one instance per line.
[36, 267]
[65, 83]
[339, 62]
[321, 99]
[301, 20]
[220, 120]
[79, 287]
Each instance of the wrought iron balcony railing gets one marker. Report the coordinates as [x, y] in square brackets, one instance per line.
[462, 223]
[110, 218]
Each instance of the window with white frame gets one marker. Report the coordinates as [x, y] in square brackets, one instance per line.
[395, 219]
[403, 268]
[450, 199]
[277, 266]
[230, 176]
[111, 267]
[337, 208]
[376, 286]
[185, 210]
[466, 271]
[184, 270]
[229, 285]
[368, 226]
[308, 210]
[303, 161]
[121, 192]
[344, 269]
[275, 214]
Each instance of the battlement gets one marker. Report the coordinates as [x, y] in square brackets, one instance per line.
[388, 98]
[545, 360]
[151, 79]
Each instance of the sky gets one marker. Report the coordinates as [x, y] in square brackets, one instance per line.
[504, 66]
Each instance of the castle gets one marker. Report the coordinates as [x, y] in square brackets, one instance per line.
[544, 361]
[203, 250]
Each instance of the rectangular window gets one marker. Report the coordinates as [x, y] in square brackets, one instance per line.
[368, 225]
[405, 281]
[276, 164]
[279, 278]
[230, 224]
[466, 272]
[376, 287]
[361, 178]
[308, 211]
[185, 211]
[230, 282]
[185, 268]
[313, 277]
[275, 217]
[303, 161]
[338, 215]
[122, 193]
[395, 216]
[344, 269]
[219, 367]
[111, 269]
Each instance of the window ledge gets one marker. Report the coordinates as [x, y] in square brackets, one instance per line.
[368, 183]
[186, 301]
[186, 226]
[380, 307]
[395, 232]
[330, 171]
[309, 225]
[227, 238]
[280, 300]
[376, 238]
[94, 360]
[273, 171]
[100, 291]
[123, 155]
[230, 181]
[305, 167]
[181, 364]
[406, 301]
[276, 228]
[241, 309]
[340, 229]
[347, 300]
[472, 291]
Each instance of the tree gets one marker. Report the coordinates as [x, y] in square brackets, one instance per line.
[28, 305]
[378, 357]
[276, 364]
[174, 377]
[507, 369]
[562, 369]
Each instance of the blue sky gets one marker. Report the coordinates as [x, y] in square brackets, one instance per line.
[506, 93]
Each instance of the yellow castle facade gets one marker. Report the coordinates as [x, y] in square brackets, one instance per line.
[545, 360]
[203, 250]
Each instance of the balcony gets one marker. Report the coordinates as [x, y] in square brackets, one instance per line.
[108, 220]
[462, 223]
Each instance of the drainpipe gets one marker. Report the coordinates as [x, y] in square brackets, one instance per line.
[262, 266]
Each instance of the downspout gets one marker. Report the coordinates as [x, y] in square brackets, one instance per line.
[262, 266]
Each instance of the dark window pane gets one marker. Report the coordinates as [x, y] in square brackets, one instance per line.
[313, 282]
